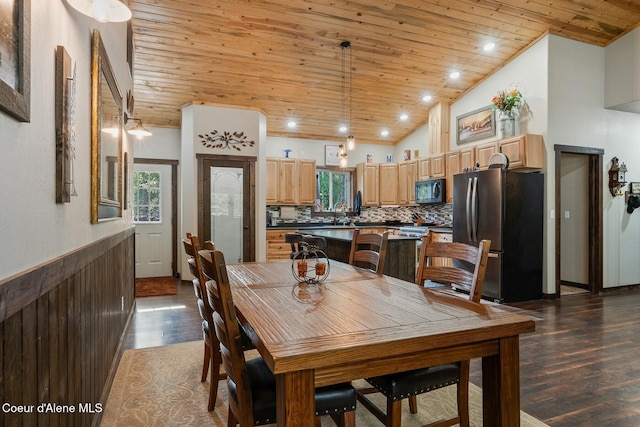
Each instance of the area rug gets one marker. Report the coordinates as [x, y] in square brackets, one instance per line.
[156, 286]
[160, 386]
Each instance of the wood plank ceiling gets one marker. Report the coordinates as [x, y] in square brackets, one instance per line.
[283, 57]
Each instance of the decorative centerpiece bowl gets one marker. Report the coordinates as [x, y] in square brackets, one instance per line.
[309, 264]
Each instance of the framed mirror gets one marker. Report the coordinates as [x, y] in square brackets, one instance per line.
[106, 136]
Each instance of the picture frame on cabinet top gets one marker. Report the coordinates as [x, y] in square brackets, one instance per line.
[475, 125]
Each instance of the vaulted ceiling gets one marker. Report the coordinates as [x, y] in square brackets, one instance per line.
[283, 57]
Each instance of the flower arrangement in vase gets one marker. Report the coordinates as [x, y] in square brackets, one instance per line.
[507, 102]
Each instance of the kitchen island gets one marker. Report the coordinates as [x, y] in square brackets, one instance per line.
[401, 251]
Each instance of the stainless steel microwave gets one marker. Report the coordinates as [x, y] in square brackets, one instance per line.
[430, 191]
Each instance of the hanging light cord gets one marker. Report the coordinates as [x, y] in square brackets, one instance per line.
[350, 90]
[343, 87]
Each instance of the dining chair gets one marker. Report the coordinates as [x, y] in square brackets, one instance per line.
[296, 240]
[468, 272]
[251, 384]
[211, 360]
[212, 300]
[369, 250]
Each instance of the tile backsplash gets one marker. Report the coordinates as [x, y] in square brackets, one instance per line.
[438, 213]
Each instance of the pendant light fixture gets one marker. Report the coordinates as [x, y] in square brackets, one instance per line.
[346, 45]
[102, 10]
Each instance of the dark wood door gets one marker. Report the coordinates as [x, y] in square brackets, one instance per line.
[214, 206]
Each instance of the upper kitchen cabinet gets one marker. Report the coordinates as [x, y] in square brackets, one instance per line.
[368, 183]
[438, 166]
[290, 181]
[439, 128]
[467, 158]
[388, 183]
[524, 151]
[307, 183]
[273, 181]
[484, 152]
[424, 168]
[407, 176]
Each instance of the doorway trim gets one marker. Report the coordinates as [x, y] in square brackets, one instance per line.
[595, 213]
[248, 165]
[174, 205]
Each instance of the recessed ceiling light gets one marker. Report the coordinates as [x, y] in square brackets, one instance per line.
[426, 98]
[489, 46]
[454, 74]
[384, 132]
[291, 124]
[404, 117]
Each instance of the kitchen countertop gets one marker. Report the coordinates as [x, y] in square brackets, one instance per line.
[307, 226]
[347, 235]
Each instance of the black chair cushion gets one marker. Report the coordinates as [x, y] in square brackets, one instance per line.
[401, 385]
[331, 399]
[335, 399]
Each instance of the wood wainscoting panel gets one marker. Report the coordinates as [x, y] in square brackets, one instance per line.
[58, 346]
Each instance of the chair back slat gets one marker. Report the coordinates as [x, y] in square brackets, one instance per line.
[369, 250]
[228, 333]
[209, 272]
[468, 273]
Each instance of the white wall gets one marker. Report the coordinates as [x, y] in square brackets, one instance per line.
[164, 143]
[563, 84]
[314, 149]
[198, 120]
[33, 227]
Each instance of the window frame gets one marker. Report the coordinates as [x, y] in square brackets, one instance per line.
[350, 202]
[135, 206]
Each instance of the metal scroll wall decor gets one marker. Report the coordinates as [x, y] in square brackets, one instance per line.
[226, 140]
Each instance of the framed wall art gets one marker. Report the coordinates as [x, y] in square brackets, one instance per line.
[331, 155]
[477, 124]
[15, 58]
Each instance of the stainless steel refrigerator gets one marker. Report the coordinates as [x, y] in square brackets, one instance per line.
[506, 208]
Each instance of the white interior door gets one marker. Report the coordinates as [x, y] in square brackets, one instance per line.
[152, 216]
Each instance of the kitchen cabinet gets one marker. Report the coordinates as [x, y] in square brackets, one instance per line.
[452, 168]
[273, 181]
[467, 158]
[290, 181]
[368, 183]
[438, 166]
[307, 182]
[424, 168]
[524, 151]
[388, 184]
[484, 151]
[439, 128]
[407, 175]
[277, 248]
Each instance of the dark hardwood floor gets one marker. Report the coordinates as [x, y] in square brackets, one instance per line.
[581, 367]
[163, 320]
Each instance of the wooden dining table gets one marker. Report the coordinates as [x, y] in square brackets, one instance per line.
[357, 324]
